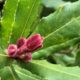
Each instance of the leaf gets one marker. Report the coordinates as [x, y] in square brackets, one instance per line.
[71, 0]
[24, 74]
[58, 45]
[77, 60]
[63, 34]
[7, 21]
[63, 59]
[55, 48]
[7, 74]
[19, 19]
[53, 72]
[53, 3]
[26, 15]
[59, 18]
[60, 27]
[4, 59]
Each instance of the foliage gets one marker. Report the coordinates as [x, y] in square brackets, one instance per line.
[59, 57]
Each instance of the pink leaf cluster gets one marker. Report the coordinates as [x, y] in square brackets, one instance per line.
[24, 47]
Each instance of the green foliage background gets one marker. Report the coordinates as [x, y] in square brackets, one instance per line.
[58, 21]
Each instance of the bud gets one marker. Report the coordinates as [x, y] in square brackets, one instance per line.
[21, 42]
[27, 57]
[12, 50]
[34, 42]
[21, 50]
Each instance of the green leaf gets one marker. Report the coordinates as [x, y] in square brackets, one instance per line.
[4, 59]
[17, 73]
[53, 72]
[50, 50]
[58, 23]
[53, 3]
[7, 74]
[7, 21]
[18, 19]
[58, 19]
[24, 74]
[44, 52]
[63, 59]
[60, 27]
[67, 32]
[77, 61]
[26, 15]
[71, 0]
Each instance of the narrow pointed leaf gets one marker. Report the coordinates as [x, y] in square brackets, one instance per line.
[18, 19]
[26, 15]
[7, 21]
